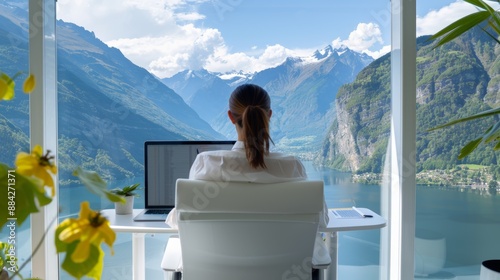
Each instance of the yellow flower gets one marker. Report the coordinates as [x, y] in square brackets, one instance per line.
[29, 84]
[89, 228]
[6, 87]
[38, 165]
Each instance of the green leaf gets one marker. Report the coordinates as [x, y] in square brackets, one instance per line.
[481, 4]
[3, 251]
[126, 191]
[60, 246]
[90, 179]
[95, 184]
[91, 267]
[115, 198]
[483, 114]
[459, 27]
[19, 196]
[491, 35]
[469, 148]
[497, 147]
[454, 25]
[492, 133]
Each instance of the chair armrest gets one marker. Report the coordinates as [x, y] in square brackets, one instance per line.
[172, 258]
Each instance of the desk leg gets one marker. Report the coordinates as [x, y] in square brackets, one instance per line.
[138, 256]
[332, 243]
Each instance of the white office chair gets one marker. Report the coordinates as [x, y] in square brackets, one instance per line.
[244, 231]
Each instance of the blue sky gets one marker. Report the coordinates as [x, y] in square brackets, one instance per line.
[168, 36]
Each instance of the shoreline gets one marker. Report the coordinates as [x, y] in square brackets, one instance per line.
[461, 178]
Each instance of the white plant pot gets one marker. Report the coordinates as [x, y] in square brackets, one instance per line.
[430, 253]
[490, 270]
[125, 208]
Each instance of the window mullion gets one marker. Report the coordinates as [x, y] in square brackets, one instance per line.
[43, 126]
[402, 198]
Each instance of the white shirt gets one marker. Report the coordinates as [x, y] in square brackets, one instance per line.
[233, 166]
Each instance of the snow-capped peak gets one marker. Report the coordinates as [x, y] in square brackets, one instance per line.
[236, 78]
[342, 49]
[324, 53]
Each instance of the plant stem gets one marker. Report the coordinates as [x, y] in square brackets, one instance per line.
[33, 253]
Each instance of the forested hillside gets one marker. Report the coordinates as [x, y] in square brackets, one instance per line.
[453, 81]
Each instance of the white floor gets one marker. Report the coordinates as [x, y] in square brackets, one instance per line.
[373, 273]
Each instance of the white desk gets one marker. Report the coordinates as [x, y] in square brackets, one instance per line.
[335, 225]
[125, 223]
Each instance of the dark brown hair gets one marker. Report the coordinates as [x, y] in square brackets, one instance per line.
[250, 105]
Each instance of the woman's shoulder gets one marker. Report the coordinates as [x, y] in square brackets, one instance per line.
[236, 153]
[218, 154]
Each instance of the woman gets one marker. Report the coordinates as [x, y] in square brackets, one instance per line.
[250, 159]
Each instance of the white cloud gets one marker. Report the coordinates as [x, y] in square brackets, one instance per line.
[271, 56]
[194, 48]
[376, 54]
[364, 37]
[111, 19]
[436, 20]
[187, 48]
[163, 38]
[119, 19]
[368, 35]
[189, 16]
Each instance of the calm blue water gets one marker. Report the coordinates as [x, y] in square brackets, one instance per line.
[468, 220]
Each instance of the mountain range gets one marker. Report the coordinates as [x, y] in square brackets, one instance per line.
[109, 106]
[302, 90]
[332, 106]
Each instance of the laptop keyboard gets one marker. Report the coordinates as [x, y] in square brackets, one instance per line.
[157, 211]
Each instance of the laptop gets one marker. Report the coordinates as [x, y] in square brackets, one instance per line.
[164, 163]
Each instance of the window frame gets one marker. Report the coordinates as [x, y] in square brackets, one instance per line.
[399, 195]
[397, 244]
[43, 127]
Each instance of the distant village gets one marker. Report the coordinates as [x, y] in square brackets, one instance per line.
[462, 178]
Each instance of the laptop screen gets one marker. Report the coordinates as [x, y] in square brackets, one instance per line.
[166, 161]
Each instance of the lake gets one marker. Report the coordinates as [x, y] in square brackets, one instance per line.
[468, 221]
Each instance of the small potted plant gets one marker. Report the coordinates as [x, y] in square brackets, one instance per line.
[128, 192]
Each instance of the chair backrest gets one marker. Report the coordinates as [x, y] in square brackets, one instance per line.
[235, 230]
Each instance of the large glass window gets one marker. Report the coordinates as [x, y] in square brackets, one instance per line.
[456, 217]
[307, 55]
[302, 53]
[167, 75]
[14, 114]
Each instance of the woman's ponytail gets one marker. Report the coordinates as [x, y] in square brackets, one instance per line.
[251, 107]
[255, 125]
